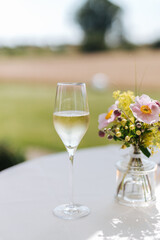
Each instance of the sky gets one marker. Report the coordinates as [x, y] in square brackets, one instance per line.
[44, 22]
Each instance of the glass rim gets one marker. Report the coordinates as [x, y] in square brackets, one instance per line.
[74, 84]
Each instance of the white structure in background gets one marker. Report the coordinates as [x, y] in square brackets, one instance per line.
[100, 82]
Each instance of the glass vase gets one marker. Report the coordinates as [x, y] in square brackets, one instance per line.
[136, 180]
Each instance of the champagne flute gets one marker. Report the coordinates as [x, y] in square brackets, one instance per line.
[71, 120]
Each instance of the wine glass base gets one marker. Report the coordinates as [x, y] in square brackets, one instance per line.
[67, 211]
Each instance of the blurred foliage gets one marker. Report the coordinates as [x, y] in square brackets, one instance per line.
[95, 18]
[156, 45]
[69, 50]
[126, 45]
[33, 50]
[9, 157]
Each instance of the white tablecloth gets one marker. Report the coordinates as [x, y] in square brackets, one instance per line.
[29, 192]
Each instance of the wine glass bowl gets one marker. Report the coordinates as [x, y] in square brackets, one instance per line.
[71, 126]
[71, 120]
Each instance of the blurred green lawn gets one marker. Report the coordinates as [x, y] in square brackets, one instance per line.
[26, 116]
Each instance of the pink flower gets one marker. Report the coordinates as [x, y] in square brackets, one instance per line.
[158, 103]
[106, 118]
[145, 109]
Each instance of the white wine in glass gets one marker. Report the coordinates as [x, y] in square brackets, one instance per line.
[71, 120]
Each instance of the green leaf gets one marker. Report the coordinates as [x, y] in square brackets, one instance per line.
[127, 144]
[145, 151]
[115, 138]
[148, 131]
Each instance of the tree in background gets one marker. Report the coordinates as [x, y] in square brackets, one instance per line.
[95, 18]
[156, 44]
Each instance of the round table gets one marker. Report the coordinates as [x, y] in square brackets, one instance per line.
[30, 191]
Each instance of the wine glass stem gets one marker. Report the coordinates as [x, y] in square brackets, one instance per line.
[71, 159]
[71, 151]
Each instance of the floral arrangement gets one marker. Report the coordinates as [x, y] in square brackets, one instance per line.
[133, 120]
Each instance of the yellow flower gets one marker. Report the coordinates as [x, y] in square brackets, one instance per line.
[132, 119]
[118, 134]
[126, 127]
[132, 127]
[116, 94]
[127, 138]
[152, 151]
[124, 101]
[123, 146]
[138, 132]
[117, 129]
[124, 121]
[156, 135]
[148, 139]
